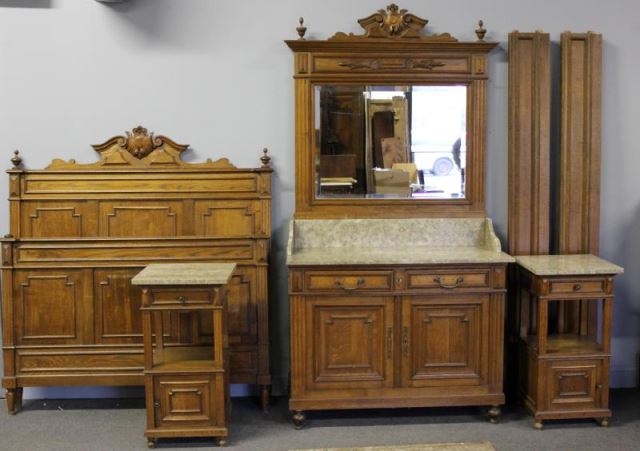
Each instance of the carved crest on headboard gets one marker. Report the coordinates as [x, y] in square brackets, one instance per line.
[140, 143]
[139, 148]
[393, 23]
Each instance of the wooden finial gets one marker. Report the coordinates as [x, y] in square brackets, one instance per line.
[301, 29]
[265, 158]
[17, 159]
[481, 31]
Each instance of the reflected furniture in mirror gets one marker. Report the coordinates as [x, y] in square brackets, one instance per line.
[396, 277]
[80, 232]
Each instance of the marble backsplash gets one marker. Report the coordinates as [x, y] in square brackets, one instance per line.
[387, 233]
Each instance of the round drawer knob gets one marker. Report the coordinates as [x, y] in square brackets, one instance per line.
[181, 299]
[577, 287]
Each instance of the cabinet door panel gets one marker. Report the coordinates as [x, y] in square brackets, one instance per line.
[573, 384]
[52, 307]
[443, 341]
[186, 401]
[349, 342]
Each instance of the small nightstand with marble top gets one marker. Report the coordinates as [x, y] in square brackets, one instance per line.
[565, 308]
[186, 375]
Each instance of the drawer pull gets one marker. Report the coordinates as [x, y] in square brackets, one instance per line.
[181, 299]
[577, 287]
[389, 341]
[405, 341]
[599, 386]
[156, 404]
[359, 284]
[457, 283]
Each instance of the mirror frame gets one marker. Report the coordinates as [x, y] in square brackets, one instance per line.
[388, 57]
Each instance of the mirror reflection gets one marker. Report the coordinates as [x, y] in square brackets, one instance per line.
[390, 141]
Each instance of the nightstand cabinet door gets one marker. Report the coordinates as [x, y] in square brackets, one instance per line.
[575, 384]
[182, 401]
[443, 342]
[349, 342]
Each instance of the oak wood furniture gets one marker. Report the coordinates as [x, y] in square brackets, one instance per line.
[529, 143]
[581, 116]
[80, 232]
[392, 52]
[407, 309]
[186, 385]
[379, 324]
[564, 365]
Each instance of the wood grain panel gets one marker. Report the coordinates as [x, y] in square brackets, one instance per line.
[227, 219]
[55, 219]
[442, 342]
[121, 252]
[573, 385]
[78, 361]
[242, 306]
[141, 184]
[529, 143]
[184, 403]
[117, 306]
[141, 219]
[579, 203]
[50, 306]
[348, 344]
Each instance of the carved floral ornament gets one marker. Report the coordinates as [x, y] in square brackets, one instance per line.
[139, 142]
[139, 148]
[393, 23]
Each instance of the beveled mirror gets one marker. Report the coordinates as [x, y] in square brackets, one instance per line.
[390, 123]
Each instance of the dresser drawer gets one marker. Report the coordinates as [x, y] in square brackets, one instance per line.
[180, 296]
[449, 280]
[590, 286]
[348, 281]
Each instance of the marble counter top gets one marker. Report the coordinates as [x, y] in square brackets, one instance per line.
[185, 274]
[396, 256]
[567, 265]
[394, 242]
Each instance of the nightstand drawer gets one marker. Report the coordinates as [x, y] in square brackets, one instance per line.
[180, 297]
[578, 286]
[348, 281]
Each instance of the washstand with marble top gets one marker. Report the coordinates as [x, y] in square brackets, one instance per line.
[396, 313]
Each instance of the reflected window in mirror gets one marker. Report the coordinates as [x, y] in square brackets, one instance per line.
[390, 141]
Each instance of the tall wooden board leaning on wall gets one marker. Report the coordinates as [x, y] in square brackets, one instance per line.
[80, 232]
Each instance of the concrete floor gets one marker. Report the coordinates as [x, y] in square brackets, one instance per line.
[119, 425]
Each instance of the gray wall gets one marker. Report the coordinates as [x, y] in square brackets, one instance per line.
[216, 75]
